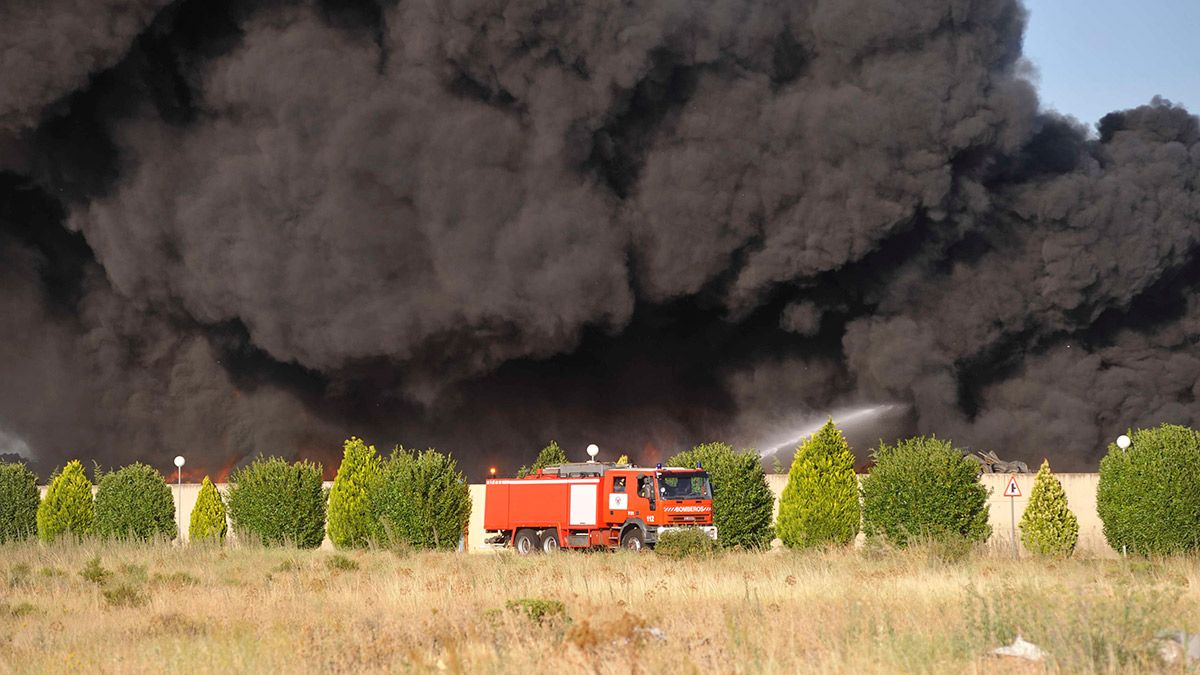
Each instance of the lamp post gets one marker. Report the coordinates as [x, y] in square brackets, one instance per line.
[592, 451]
[1123, 443]
[179, 493]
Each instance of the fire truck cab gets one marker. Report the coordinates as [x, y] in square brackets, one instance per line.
[595, 505]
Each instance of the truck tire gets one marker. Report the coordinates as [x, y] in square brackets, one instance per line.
[550, 543]
[633, 539]
[526, 542]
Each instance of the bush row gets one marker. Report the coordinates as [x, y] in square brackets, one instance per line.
[411, 499]
[921, 488]
[1148, 497]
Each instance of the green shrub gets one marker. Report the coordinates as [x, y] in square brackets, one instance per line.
[94, 572]
[819, 506]
[685, 543]
[174, 580]
[1048, 527]
[926, 489]
[208, 522]
[278, 503]
[68, 507]
[135, 502]
[422, 501]
[18, 502]
[743, 503]
[124, 595]
[341, 563]
[1149, 494]
[351, 523]
[551, 455]
[538, 610]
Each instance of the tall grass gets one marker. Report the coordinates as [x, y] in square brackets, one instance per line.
[207, 609]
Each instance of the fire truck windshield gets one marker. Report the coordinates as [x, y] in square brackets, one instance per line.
[684, 486]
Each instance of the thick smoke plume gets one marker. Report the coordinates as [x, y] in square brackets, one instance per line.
[239, 227]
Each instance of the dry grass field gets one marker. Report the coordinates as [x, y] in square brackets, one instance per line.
[163, 608]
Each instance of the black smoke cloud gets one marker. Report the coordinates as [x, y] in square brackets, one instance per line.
[237, 227]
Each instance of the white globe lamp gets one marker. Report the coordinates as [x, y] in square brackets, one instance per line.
[1123, 442]
[592, 451]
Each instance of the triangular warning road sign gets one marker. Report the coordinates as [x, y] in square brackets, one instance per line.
[1012, 490]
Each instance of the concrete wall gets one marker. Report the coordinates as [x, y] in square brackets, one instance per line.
[1080, 489]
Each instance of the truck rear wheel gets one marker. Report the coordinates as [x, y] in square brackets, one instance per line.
[634, 539]
[526, 542]
[550, 542]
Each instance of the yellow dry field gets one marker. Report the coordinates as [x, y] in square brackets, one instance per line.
[156, 608]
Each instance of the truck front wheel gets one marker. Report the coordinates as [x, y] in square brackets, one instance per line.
[526, 542]
[634, 539]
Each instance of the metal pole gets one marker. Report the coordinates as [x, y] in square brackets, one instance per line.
[179, 509]
[1012, 507]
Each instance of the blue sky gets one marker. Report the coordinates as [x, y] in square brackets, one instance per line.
[1096, 56]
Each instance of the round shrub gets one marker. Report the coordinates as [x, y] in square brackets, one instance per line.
[1149, 494]
[351, 523]
[685, 543]
[819, 506]
[1048, 528]
[18, 502]
[924, 488]
[208, 516]
[68, 507]
[421, 501]
[134, 502]
[743, 503]
[277, 503]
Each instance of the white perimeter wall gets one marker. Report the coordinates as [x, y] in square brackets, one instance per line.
[1080, 489]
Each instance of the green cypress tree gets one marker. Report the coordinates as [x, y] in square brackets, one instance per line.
[820, 505]
[68, 506]
[350, 520]
[208, 516]
[551, 455]
[742, 500]
[135, 502]
[18, 502]
[1048, 527]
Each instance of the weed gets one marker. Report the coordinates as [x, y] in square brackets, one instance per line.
[132, 572]
[124, 595]
[94, 572]
[538, 610]
[341, 563]
[174, 579]
[19, 610]
[176, 624]
[18, 575]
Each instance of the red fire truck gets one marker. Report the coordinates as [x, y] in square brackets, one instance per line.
[595, 504]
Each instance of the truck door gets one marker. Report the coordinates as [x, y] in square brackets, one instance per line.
[643, 502]
[617, 508]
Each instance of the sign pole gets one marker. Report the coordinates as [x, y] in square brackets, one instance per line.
[1012, 507]
[1012, 491]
